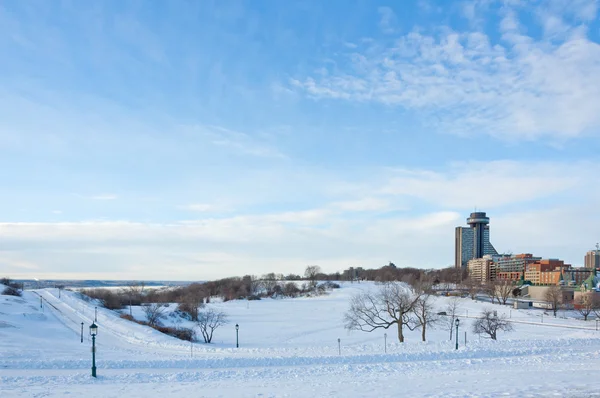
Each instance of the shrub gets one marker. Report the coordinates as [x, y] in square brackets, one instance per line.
[107, 298]
[128, 317]
[11, 291]
[290, 289]
[331, 285]
[180, 333]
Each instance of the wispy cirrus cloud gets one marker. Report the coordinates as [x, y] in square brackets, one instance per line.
[236, 141]
[106, 196]
[520, 87]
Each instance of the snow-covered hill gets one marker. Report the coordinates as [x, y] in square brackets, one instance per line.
[287, 348]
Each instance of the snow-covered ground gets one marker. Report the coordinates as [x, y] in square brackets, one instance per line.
[288, 348]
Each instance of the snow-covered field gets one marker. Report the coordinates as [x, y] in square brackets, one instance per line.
[288, 348]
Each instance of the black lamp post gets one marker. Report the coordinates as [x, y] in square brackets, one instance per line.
[457, 322]
[237, 337]
[95, 314]
[82, 332]
[93, 333]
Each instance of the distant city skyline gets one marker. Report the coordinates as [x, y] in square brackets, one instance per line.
[198, 140]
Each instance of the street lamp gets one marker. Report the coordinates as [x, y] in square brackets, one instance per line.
[237, 336]
[93, 333]
[457, 322]
[385, 342]
[95, 314]
[82, 332]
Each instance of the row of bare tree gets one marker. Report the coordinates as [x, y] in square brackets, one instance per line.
[410, 306]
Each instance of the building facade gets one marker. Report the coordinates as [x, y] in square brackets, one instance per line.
[472, 242]
[592, 259]
[516, 263]
[482, 269]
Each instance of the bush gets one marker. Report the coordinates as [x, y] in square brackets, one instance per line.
[128, 317]
[107, 298]
[290, 289]
[11, 291]
[180, 333]
[331, 285]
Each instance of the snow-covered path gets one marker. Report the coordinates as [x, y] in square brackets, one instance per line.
[289, 349]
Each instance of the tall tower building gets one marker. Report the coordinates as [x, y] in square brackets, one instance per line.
[473, 241]
[592, 258]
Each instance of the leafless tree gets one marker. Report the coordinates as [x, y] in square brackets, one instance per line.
[134, 291]
[269, 283]
[392, 304]
[473, 287]
[451, 313]
[311, 273]
[425, 315]
[154, 313]
[489, 323]
[504, 289]
[191, 304]
[586, 304]
[491, 291]
[208, 321]
[254, 284]
[554, 297]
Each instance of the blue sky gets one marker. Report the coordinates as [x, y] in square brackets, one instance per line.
[201, 139]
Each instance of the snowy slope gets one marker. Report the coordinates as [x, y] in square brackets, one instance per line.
[287, 348]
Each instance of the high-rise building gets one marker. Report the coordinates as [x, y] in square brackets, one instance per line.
[592, 258]
[473, 241]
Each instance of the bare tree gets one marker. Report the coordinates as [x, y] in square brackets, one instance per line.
[208, 321]
[586, 304]
[489, 323]
[554, 297]
[425, 315]
[191, 304]
[392, 304]
[492, 291]
[473, 287]
[269, 283]
[451, 313]
[311, 273]
[154, 313]
[134, 291]
[504, 289]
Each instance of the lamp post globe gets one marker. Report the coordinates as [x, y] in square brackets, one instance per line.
[93, 333]
[457, 322]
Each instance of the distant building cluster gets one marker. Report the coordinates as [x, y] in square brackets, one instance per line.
[475, 253]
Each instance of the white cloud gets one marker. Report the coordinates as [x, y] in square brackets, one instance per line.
[360, 226]
[387, 20]
[239, 142]
[366, 204]
[204, 207]
[461, 82]
[490, 184]
[104, 197]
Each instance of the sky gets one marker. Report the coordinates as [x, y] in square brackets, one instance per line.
[192, 140]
